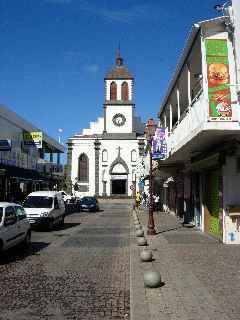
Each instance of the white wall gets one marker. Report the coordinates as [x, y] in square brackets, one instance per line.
[84, 146]
[126, 111]
[112, 146]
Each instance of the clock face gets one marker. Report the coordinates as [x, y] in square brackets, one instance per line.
[119, 119]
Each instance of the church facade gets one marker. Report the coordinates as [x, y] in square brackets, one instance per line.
[103, 159]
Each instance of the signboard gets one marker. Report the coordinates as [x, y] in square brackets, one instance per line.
[5, 145]
[219, 94]
[32, 139]
[159, 144]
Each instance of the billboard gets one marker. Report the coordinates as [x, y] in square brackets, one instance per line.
[159, 144]
[219, 94]
[32, 139]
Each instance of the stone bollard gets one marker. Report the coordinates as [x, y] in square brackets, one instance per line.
[142, 241]
[146, 256]
[139, 233]
[152, 279]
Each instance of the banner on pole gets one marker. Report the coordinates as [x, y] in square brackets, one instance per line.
[159, 144]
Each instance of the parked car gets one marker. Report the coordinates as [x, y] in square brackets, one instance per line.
[45, 208]
[14, 226]
[89, 204]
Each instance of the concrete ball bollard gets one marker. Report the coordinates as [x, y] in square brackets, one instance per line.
[146, 255]
[139, 233]
[138, 227]
[152, 279]
[141, 241]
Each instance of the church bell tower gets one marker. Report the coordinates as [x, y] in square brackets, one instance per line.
[118, 106]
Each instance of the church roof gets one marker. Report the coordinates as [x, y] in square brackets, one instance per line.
[119, 71]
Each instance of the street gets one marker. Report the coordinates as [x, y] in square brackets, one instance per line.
[79, 271]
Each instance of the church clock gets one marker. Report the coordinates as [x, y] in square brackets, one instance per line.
[119, 119]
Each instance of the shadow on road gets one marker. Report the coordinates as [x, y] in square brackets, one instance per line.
[19, 253]
[67, 225]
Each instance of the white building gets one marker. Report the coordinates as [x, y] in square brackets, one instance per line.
[201, 112]
[103, 159]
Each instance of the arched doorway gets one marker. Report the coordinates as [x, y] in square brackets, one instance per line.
[119, 180]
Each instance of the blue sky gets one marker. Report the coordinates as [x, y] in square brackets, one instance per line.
[55, 53]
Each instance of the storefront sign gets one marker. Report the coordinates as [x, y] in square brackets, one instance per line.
[219, 94]
[5, 145]
[159, 144]
[33, 139]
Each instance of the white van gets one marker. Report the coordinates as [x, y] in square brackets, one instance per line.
[45, 208]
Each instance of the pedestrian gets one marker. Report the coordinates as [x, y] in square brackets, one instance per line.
[137, 200]
[144, 199]
[156, 202]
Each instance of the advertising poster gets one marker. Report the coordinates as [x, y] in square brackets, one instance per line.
[159, 144]
[32, 139]
[219, 94]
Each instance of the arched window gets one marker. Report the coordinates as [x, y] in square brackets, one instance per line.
[133, 156]
[83, 168]
[104, 156]
[113, 91]
[124, 92]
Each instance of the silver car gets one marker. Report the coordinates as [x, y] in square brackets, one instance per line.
[14, 226]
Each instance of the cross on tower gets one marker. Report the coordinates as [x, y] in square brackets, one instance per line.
[119, 150]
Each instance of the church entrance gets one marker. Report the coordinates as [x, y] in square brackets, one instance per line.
[119, 185]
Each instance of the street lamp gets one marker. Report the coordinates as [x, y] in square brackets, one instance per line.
[149, 133]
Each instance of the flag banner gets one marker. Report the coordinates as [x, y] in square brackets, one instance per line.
[219, 94]
[159, 144]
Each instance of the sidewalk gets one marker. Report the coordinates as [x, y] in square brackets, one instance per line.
[201, 276]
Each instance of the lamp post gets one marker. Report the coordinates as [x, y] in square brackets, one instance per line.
[149, 133]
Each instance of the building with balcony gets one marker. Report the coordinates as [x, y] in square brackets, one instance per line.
[23, 165]
[201, 174]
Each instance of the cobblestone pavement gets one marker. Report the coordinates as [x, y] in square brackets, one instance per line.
[201, 277]
[78, 272]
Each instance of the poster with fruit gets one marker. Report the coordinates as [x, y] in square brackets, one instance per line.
[219, 94]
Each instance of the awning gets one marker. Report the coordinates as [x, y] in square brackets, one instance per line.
[27, 174]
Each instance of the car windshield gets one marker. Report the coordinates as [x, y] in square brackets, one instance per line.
[1, 214]
[88, 200]
[38, 202]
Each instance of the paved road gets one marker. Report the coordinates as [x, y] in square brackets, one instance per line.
[78, 272]
[201, 277]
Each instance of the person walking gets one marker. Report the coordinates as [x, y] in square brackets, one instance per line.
[137, 200]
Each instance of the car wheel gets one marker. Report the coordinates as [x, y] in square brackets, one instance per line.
[50, 224]
[61, 222]
[27, 240]
[1, 246]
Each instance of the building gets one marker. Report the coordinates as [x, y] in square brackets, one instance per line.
[201, 174]
[23, 165]
[102, 160]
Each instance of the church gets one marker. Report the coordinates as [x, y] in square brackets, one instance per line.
[102, 160]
